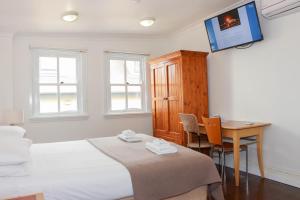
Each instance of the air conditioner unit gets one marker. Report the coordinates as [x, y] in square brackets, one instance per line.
[276, 8]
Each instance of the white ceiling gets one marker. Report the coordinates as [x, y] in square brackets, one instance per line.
[104, 16]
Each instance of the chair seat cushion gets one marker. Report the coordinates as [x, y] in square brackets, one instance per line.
[228, 147]
[196, 145]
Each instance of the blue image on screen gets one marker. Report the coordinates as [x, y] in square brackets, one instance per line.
[253, 22]
[236, 27]
[211, 35]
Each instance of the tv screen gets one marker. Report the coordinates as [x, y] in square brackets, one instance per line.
[236, 27]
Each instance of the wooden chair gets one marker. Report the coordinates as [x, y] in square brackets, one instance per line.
[191, 126]
[215, 138]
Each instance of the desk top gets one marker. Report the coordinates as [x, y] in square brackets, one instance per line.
[237, 125]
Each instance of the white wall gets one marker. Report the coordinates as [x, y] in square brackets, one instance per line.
[6, 71]
[258, 84]
[96, 125]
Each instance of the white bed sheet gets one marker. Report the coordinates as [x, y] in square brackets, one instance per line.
[68, 171]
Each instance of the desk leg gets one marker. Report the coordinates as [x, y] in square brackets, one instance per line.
[259, 143]
[236, 157]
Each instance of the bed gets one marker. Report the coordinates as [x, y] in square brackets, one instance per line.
[77, 170]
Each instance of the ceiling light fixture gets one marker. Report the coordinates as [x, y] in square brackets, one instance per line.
[70, 16]
[148, 21]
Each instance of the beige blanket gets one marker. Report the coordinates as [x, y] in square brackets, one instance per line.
[159, 177]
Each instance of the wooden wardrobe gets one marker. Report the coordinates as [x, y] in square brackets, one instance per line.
[178, 84]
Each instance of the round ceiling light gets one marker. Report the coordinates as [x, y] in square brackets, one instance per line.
[70, 16]
[148, 21]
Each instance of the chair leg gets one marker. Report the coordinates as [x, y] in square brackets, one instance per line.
[224, 165]
[247, 164]
[222, 171]
[247, 180]
[219, 160]
[199, 140]
[211, 153]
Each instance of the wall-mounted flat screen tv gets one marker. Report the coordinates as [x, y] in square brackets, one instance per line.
[236, 27]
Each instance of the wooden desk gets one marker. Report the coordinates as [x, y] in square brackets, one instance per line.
[238, 130]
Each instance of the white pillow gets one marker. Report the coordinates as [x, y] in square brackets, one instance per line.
[12, 131]
[15, 170]
[14, 151]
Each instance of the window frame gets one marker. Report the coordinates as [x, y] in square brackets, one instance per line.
[81, 68]
[144, 85]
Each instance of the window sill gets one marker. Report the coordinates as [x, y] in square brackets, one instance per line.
[127, 114]
[54, 118]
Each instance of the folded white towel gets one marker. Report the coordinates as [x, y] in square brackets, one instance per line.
[171, 149]
[160, 144]
[160, 147]
[128, 133]
[129, 136]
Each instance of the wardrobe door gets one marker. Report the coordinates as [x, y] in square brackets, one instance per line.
[174, 95]
[159, 99]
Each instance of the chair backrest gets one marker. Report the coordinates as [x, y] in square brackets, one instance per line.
[190, 123]
[213, 130]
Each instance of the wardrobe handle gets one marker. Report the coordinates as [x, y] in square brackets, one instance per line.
[166, 98]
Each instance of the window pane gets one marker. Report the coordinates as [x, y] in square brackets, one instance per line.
[117, 71]
[133, 72]
[118, 98]
[48, 69]
[68, 99]
[67, 70]
[134, 97]
[48, 99]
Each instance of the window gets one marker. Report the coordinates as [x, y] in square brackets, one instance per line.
[58, 83]
[126, 83]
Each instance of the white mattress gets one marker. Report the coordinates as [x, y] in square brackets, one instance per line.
[70, 170]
